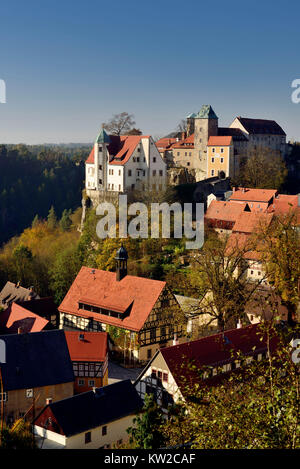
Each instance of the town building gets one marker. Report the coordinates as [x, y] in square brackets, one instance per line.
[97, 419]
[120, 164]
[221, 160]
[37, 368]
[89, 356]
[141, 315]
[15, 292]
[174, 371]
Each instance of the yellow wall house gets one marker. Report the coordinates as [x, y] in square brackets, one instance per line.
[96, 419]
[220, 157]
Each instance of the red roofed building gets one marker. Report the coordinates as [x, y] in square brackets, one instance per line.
[143, 309]
[119, 164]
[222, 215]
[206, 361]
[89, 356]
[257, 199]
[18, 319]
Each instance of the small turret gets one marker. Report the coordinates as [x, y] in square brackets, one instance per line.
[121, 263]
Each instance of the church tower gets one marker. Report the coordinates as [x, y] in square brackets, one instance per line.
[101, 159]
[206, 124]
[121, 263]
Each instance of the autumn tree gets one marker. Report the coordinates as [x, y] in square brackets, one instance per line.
[263, 168]
[51, 219]
[222, 284]
[279, 245]
[120, 124]
[182, 126]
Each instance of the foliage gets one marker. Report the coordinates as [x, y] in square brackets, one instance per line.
[147, 430]
[19, 436]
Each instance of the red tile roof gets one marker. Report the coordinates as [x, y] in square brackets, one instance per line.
[249, 222]
[16, 316]
[283, 204]
[91, 347]
[120, 148]
[215, 350]
[246, 194]
[165, 143]
[186, 143]
[103, 290]
[225, 211]
[219, 141]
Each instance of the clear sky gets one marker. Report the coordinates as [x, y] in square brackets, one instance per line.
[70, 65]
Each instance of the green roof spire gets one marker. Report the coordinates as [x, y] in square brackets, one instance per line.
[102, 137]
[206, 112]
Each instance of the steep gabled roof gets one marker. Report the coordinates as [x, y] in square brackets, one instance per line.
[206, 112]
[136, 295]
[15, 317]
[87, 346]
[187, 143]
[249, 222]
[35, 360]
[91, 409]
[236, 134]
[261, 126]
[120, 148]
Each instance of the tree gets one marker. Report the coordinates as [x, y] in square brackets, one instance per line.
[279, 245]
[35, 221]
[120, 124]
[65, 221]
[19, 436]
[222, 283]
[182, 126]
[51, 219]
[257, 407]
[63, 272]
[135, 131]
[147, 432]
[264, 169]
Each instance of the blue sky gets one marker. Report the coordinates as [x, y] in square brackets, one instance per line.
[70, 65]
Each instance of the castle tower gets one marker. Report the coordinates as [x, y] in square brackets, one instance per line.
[206, 124]
[121, 263]
[190, 124]
[101, 159]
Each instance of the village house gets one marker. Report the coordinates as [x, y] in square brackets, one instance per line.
[141, 315]
[15, 292]
[173, 372]
[89, 356]
[97, 419]
[18, 319]
[120, 164]
[221, 160]
[37, 368]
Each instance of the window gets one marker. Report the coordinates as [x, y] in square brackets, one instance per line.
[133, 159]
[154, 172]
[222, 160]
[185, 153]
[138, 159]
[104, 430]
[100, 181]
[259, 273]
[178, 153]
[3, 396]
[119, 187]
[212, 172]
[213, 150]
[144, 173]
[212, 160]
[153, 373]
[149, 353]
[251, 272]
[139, 150]
[81, 382]
[129, 172]
[159, 375]
[188, 163]
[87, 437]
[29, 393]
[222, 150]
[91, 382]
[112, 186]
[165, 377]
[119, 172]
[100, 166]
[154, 159]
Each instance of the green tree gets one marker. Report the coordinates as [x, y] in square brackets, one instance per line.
[147, 432]
[51, 219]
[63, 272]
[35, 221]
[65, 221]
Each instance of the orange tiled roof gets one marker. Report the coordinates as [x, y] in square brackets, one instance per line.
[165, 143]
[246, 194]
[226, 211]
[120, 148]
[92, 346]
[16, 316]
[103, 290]
[219, 140]
[186, 143]
[248, 222]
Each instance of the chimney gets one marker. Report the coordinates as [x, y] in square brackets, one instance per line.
[49, 400]
[18, 284]
[81, 336]
[182, 135]
[20, 330]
